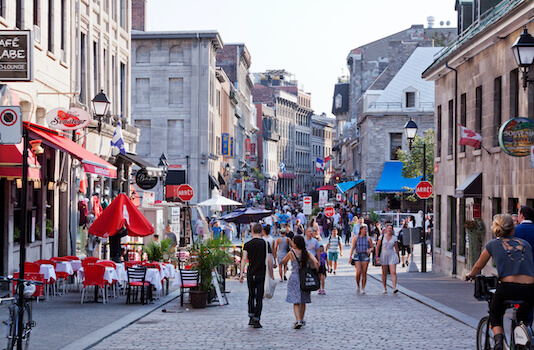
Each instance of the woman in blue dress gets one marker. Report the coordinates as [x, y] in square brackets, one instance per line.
[299, 256]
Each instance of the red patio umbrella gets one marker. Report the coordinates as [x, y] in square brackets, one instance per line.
[326, 188]
[121, 212]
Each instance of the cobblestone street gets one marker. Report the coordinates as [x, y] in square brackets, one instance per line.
[341, 319]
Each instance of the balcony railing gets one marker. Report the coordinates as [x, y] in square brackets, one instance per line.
[398, 107]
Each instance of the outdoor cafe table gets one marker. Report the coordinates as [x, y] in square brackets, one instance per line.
[110, 274]
[48, 272]
[64, 266]
[76, 265]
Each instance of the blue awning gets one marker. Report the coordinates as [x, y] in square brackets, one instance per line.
[345, 186]
[392, 180]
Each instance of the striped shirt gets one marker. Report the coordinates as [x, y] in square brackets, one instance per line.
[333, 244]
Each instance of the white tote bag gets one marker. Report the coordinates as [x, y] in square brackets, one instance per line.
[270, 284]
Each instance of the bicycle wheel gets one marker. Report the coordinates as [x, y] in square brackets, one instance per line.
[27, 324]
[481, 335]
[12, 328]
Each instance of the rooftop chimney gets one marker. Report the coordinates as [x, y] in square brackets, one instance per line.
[139, 15]
[430, 20]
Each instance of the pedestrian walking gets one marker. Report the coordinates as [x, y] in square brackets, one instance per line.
[334, 249]
[360, 252]
[255, 251]
[389, 257]
[282, 246]
[299, 257]
[323, 263]
[515, 268]
[525, 229]
[312, 244]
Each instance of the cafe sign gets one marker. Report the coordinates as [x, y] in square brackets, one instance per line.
[16, 55]
[72, 119]
[144, 181]
[516, 136]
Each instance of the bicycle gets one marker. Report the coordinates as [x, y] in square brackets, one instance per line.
[15, 313]
[521, 337]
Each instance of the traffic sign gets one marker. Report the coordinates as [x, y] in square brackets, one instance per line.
[329, 211]
[307, 207]
[10, 125]
[185, 192]
[424, 189]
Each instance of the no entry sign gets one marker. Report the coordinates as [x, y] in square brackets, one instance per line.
[329, 211]
[424, 189]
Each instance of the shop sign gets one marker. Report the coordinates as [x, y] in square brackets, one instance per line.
[72, 119]
[247, 148]
[253, 152]
[516, 136]
[144, 181]
[16, 55]
[225, 144]
[148, 198]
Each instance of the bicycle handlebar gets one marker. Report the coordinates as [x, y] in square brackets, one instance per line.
[11, 278]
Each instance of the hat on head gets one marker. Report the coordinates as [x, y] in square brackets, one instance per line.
[283, 230]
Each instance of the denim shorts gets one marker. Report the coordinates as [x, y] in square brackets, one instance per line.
[361, 257]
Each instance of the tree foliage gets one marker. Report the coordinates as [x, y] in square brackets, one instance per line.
[413, 160]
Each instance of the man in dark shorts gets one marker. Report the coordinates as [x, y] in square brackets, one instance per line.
[255, 251]
[404, 248]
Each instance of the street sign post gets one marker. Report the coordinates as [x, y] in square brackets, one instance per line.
[10, 125]
[329, 211]
[307, 208]
[424, 189]
[185, 192]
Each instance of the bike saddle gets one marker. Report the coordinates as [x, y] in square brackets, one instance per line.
[513, 303]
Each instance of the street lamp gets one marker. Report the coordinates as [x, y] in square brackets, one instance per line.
[410, 130]
[100, 107]
[523, 50]
[164, 166]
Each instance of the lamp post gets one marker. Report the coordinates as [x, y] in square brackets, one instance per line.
[164, 166]
[410, 130]
[100, 107]
[523, 50]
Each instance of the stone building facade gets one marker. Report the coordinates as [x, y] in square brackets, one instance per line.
[322, 131]
[478, 183]
[175, 104]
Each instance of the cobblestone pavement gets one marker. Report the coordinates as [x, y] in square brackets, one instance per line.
[341, 319]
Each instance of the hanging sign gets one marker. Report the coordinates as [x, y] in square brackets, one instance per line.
[516, 136]
[72, 119]
[225, 144]
[144, 181]
[16, 55]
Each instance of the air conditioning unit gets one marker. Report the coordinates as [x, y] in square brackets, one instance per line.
[37, 33]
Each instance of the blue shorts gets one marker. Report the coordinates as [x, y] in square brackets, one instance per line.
[361, 257]
[332, 256]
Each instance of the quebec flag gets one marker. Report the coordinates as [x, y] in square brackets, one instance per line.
[282, 167]
[117, 142]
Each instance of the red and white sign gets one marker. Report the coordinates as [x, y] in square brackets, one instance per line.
[74, 118]
[329, 211]
[424, 189]
[338, 197]
[307, 207]
[185, 192]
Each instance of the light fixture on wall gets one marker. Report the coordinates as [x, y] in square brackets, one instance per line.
[51, 185]
[62, 185]
[100, 107]
[523, 50]
[37, 149]
[18, 183]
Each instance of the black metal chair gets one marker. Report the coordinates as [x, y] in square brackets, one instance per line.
[188, 279]
[136, 280]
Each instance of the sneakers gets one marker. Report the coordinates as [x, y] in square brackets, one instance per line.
[257, 324]
[334, 272]
[395, 290]
[363, 291]
[285, 278]
[385, 291]
[357, 289]
[403, 265]
[321, 291]
[298, 325]
[251, 321]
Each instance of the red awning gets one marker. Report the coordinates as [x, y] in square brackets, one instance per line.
[121, 212]
[11, 163]
[326, 188]
[287, 176]
[92, 163]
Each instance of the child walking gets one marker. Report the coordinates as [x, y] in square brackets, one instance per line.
[322, 268]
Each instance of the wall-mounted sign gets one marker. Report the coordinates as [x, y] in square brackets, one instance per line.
[247, 148]
[148, 198]
[16, 55]
[225, 144]
[74, 118]
[144, 181]
[516, 136]
[10, 125]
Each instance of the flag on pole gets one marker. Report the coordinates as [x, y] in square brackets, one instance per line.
[469, 137]
[117, 142]
[329, 158]
[282, 167]
[319, 165]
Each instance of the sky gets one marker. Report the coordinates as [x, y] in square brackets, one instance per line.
[310, 39]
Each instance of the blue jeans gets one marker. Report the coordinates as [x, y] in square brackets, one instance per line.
[255, 295]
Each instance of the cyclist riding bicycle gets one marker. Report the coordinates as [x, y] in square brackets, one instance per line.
[513, 258]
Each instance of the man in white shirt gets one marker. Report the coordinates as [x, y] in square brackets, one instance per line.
[336, 218]
[302, 218]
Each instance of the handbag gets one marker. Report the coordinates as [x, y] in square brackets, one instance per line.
[270, 284]
[309, 278]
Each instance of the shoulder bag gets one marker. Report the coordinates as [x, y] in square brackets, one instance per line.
[270, 284]
[309, 278]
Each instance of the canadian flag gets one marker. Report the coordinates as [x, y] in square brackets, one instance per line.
[469, 137]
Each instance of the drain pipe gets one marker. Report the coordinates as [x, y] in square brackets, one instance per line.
[454, 208]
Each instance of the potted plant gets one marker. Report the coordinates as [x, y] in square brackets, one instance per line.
[159, 251]
[207, 255]
[475, 231]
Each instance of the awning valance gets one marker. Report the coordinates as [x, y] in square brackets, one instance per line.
[287, 176]
[392, 181]
[152, 170]
[221, 180]
[345, 186]
[11, 163]
[471, 187]
[92, 163]
[213, 182]
[325, 188]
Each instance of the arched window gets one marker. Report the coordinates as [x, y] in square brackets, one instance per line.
[176, 55]
[142, 55]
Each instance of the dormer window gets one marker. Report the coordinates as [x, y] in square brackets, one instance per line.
[339, 101]
[410, 99]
